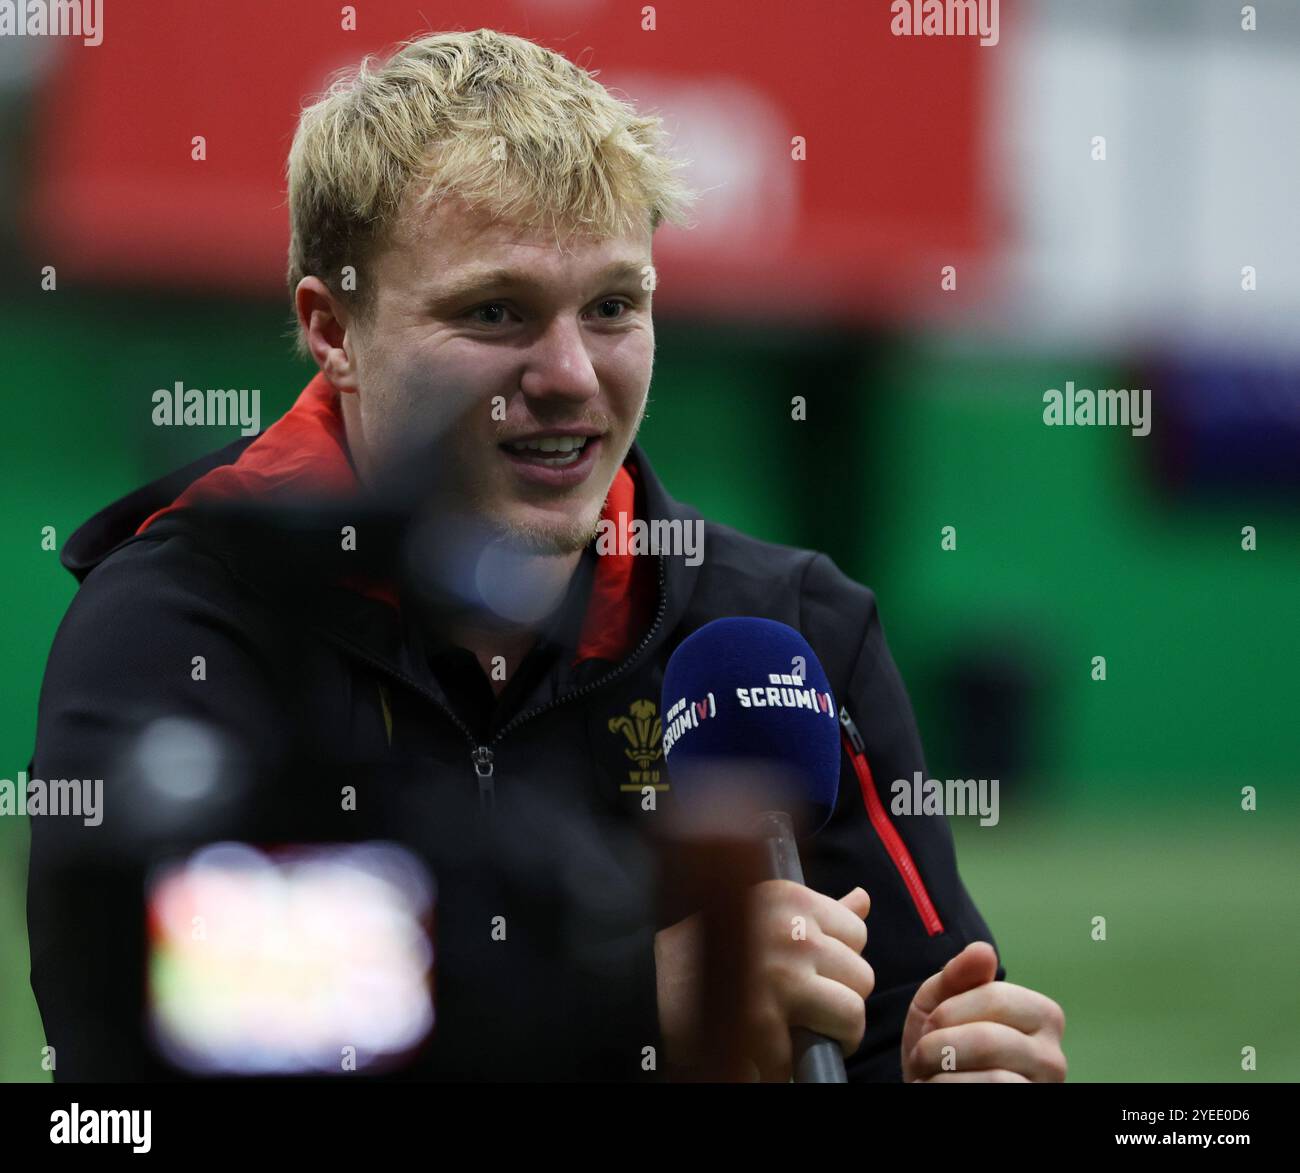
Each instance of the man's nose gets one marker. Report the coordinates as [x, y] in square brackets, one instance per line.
[559, 366]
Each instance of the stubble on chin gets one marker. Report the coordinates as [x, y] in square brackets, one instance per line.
[566, 536]
[553, 538]
[558, 536]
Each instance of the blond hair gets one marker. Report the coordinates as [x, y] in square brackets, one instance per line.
[499, 121]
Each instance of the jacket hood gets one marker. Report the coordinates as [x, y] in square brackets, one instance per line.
[305, 453]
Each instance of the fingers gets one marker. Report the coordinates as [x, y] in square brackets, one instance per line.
[830, 996]
[812, 973]
[857, 902]
[1026, 1010]
[788, 911]
[829, 942]
[769, 1046]
[837, 961]
[983, 1047]
[973, 966]
[829, 1008]
[820, 1005]
[845, 919]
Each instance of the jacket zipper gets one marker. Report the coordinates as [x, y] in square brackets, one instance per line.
[483, 769]
[855, 747]
[481, 756]
[600, 682]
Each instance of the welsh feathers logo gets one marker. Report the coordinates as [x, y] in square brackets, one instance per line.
[644, 733]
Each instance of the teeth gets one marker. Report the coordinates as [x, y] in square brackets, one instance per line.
[561, 444]
[561, 461]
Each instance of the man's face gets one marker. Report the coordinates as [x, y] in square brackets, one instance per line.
[518, 368]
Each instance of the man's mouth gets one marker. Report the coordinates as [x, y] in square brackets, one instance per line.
[551, 460]
[549, 451]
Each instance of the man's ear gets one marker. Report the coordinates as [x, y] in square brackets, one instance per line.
[328, 327]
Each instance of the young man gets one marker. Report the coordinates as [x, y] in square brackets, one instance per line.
[471, 271]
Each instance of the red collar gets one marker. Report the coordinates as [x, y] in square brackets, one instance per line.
[306, 450]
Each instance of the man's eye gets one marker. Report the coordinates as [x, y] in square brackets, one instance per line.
[495, 313]
[617, 303]
[491, 308]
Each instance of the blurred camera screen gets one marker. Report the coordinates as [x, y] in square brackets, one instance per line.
[309, 959]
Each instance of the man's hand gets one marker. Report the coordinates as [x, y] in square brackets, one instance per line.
[809, 972]
[997, 1032]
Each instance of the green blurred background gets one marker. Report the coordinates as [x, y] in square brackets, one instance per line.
[1120, 798]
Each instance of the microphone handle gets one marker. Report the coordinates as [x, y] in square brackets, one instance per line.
[817, 1059]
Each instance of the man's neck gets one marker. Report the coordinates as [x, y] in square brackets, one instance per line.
[500, 645]
[483, 631]
[499, 653]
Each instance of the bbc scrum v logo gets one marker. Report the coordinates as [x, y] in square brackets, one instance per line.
[685, 714]
[786, 691]
[946, 18]
[782, 691]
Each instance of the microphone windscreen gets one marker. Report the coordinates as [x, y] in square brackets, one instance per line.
[751, 690]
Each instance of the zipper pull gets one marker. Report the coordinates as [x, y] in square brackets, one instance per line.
[852, 730]
[482, 758]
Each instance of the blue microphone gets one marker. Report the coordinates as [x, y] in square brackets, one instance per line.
[751, 691]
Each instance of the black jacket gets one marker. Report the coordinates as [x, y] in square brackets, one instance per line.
[298, 671]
